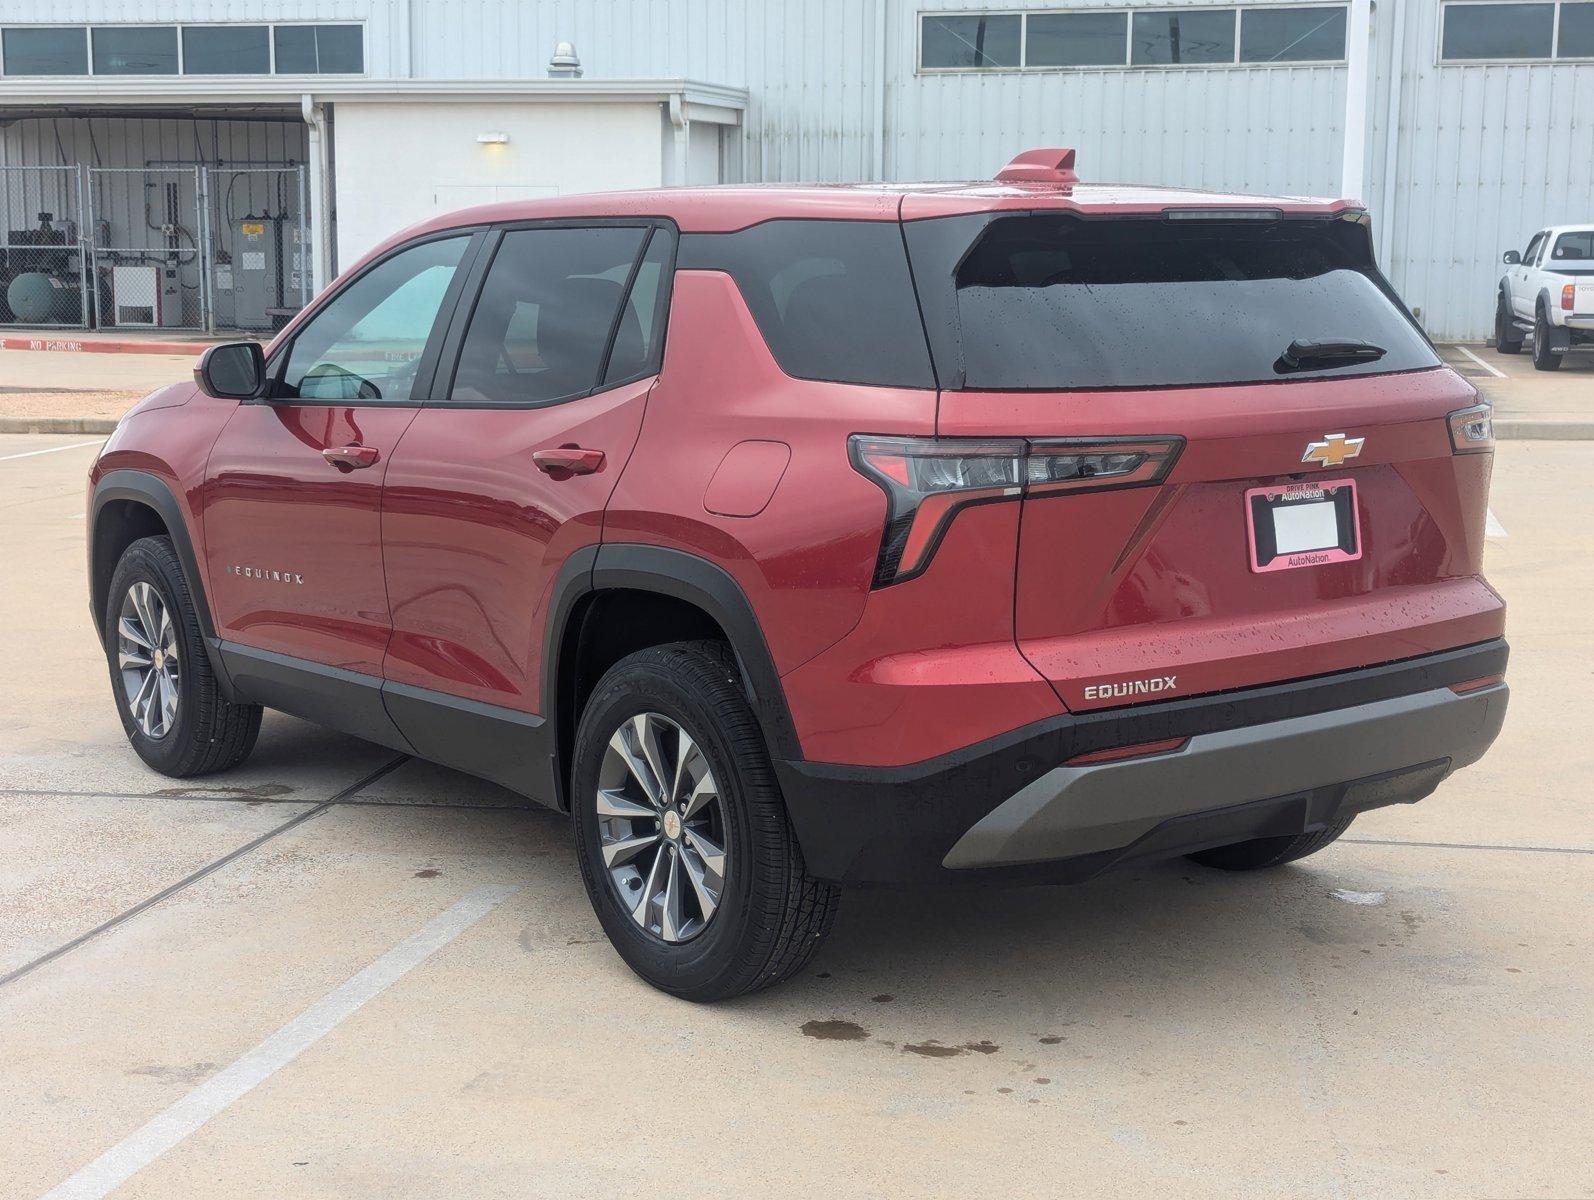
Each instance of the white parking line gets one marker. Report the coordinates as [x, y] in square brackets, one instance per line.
[1492, 527]
[51, 450]
[1498, 374]
[118, 1164]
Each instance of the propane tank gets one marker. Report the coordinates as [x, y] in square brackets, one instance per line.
[39, 299]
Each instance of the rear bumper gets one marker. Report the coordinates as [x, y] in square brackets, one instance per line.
[1261, 762]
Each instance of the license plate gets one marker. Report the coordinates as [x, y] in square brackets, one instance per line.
[1306, 524]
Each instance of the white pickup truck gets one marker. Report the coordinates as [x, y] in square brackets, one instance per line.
[1548, 292]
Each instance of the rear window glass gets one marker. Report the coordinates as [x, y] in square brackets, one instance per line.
[833, 299]
[1578, 244]
[1057, 302]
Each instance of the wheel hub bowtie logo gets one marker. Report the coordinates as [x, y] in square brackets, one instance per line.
[267, 575]
[1333, 450]
[1131, 687]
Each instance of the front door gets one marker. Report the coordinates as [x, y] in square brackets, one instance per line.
[497, 483]
[292, 498]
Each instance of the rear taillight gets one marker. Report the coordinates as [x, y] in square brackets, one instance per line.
[1472, 429]
[1568, 296]
[927, 480]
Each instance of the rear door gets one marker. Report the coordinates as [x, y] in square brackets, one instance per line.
[1313, 516]
[507, 473]
[292, 499]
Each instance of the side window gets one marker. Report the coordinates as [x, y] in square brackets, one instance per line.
[541, 325]
[639, 337]
[1533, 248]
[833, 299]
[366, 343]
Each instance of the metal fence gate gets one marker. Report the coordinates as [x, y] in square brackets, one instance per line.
[146, 247]
[259, 246]
[44, 274]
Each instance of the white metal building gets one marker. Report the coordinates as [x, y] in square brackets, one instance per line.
[1464, 125]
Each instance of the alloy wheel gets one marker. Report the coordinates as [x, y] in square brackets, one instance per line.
[147, 657]
[661, 827]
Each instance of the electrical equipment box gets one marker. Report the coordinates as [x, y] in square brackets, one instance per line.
[147, 295]
[257, 271]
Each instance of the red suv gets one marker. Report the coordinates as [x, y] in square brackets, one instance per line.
[794, 537]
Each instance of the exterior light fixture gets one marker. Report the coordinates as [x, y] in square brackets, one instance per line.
[493, 137]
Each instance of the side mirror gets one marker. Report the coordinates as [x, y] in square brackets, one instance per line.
[232, 371]
[1512, 258]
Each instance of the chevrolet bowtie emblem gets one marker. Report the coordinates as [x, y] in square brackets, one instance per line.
[1332, 450]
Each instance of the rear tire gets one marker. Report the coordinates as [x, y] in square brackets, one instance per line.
[1543, 358]
[1258, 854]
[149, 609]
[1507, 337]
[760, 917]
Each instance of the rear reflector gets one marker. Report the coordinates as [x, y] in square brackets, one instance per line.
[1473, 685]
[1118, 753]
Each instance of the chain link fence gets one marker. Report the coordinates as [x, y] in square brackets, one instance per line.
[43, 269]
[155, 247]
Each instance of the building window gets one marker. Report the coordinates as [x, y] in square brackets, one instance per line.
[970, 41]
[226, 50]
[1079, 39]
[1127, 37]
[135, 50]
[45, 51]
[1498, 31]
[1292, 34]
[319, 50]
[1576, 36]
[1187, 36]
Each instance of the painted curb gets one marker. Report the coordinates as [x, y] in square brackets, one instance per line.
[101, 346]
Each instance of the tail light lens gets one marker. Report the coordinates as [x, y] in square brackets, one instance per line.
[1472, 429]
[928, 480]
[1568, 296]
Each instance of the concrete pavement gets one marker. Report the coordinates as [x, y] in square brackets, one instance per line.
[1407, 1013]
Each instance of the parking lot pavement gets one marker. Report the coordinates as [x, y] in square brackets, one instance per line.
[1509, 382]
[56, 383]
[406, 994]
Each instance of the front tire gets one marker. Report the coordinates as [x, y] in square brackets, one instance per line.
[1543, 358]
[1507, 337]
[170, 701]
[686, 850]
[1259, 854]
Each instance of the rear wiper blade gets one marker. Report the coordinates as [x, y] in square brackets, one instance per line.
[1308, 354]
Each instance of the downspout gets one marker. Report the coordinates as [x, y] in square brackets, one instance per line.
[882, 65]
[682, 129]
[1358, 50]
[1397, 72]
[320, 202]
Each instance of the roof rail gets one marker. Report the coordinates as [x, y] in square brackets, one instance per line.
[1053, 165]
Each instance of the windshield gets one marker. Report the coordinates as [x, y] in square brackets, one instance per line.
[1060, 302]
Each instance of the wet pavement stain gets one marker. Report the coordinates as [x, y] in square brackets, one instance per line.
[835, 1031]
[1051, 1039]
[932, 1050]
[983, 1046]
[883, 998]
[428, 873]
[261, 791]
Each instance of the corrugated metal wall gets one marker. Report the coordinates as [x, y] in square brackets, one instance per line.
[1486, 155]
[1483, 154]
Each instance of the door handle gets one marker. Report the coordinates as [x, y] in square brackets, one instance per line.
[568, 460]
[351, 458]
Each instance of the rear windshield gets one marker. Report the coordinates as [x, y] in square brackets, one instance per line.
[1060, 302]
[1579, 244]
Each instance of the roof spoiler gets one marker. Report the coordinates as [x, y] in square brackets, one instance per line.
[1053, 165]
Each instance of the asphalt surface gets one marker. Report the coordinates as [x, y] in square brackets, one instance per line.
[337, 972]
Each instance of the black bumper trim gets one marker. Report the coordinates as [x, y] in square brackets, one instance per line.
[897, 824]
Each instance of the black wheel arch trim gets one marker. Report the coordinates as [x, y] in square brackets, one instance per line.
[150, 490]
[680, 575]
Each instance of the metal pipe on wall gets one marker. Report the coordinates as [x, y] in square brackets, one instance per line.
[1358, 51]
[320, 201]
